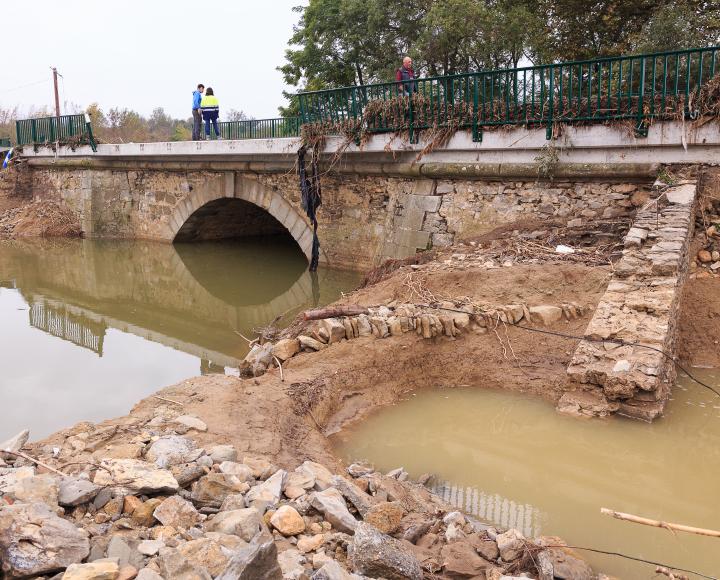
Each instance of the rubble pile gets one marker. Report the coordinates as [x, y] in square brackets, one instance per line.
[158, 506]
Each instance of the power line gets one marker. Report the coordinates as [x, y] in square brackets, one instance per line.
[24, 86]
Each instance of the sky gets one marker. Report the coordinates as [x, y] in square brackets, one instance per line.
[146, 54]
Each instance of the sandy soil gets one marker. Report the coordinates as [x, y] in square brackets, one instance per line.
[699, 340]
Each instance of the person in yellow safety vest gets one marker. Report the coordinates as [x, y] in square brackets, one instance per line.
[210, 107]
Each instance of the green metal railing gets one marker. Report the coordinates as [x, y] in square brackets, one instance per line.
[637, 88]
[63, 129]
[5, 142]
[260, 128]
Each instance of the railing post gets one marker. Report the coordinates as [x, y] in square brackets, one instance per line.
[33, 130]
[411, 120]
[641, 127]
[551, 99]
[477, 131]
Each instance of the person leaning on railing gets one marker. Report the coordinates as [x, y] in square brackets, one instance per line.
[210, 107]
[406, 75]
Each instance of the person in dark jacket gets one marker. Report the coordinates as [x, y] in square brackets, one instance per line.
[210, 111]
[197, 115]
[406, 75]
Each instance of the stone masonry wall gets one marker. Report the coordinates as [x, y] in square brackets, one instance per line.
[640, 306]
[364, 219]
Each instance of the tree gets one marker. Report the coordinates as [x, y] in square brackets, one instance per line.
[235, 115]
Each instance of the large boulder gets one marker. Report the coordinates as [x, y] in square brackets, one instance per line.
[207, 553]
[14, 444]
[212, 489]
[385, 516]
[377, 555]
[288, 521]
[268, 491]
[174, 565]
[135, 476]
[460, 560]
[331, 504]
[322, 475]
[35, 541]
[511, 545]
[76, 491]
[333, 571]
[356, 496]
[172, 450]
[257, 561]
[38, 488]
[177, 512]
[286, 348]
[245, 523]
[106, 569]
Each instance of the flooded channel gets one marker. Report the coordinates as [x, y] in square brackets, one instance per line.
[88, 328]
[513, 461]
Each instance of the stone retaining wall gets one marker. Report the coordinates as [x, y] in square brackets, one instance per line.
[364, 218]
[640, 306]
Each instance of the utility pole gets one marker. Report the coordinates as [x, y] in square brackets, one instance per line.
[57, 95]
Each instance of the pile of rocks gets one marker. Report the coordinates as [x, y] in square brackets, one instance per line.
[707, 260]
[447, 319]
[179, 511]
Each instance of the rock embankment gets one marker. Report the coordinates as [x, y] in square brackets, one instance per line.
[444, 318]
[162, 507]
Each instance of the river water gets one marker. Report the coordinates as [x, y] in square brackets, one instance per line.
[513, 461]
[88, 328]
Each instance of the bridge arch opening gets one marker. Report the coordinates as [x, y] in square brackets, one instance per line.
[232, 207]
[229, 218]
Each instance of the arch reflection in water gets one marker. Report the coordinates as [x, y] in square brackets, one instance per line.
[131, 317]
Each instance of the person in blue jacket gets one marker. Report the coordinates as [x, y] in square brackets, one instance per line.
[197, 116]
[210, 112]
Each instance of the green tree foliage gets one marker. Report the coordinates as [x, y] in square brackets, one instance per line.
[345, 42]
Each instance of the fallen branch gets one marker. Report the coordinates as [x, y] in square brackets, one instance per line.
[35, 461]
[659, 524]
[168, 400]
[333, 311]
[277, 361]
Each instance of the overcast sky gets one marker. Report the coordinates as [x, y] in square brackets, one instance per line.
[146, 54]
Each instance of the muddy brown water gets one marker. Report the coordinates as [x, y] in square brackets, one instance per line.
[88, 328]
[513, 461]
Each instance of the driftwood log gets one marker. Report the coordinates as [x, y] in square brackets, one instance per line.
[658, 524]
[334, 311]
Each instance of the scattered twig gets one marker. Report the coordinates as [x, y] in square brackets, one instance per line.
[250, 342]
[659, 524]
[36, 461]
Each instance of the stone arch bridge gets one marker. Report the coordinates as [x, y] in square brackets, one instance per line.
[380, 201]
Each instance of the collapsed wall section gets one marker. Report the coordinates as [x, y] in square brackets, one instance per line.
[620, 366]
